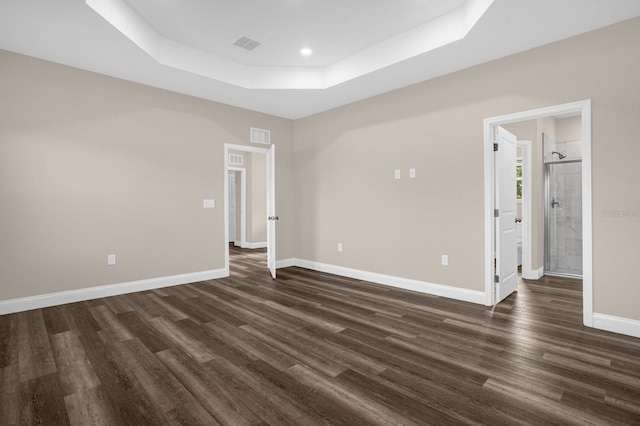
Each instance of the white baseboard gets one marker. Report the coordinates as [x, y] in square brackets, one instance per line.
[619, 325]
[63, 297]
[535, 274]
[255, 245]
[285, 263]
[456, 293]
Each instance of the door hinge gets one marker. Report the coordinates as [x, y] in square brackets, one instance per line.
[495, 146]
[496, 279]
[496, 213]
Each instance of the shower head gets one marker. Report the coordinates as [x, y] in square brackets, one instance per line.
[560, 155]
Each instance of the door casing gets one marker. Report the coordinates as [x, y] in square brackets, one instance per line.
[270, 189]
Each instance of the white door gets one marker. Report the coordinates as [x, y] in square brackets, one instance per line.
[506, 204]
[272, 218]
[232, 206]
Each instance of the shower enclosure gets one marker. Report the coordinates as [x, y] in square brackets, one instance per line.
[563, 217]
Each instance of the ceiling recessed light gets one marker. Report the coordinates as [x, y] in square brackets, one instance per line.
[306, 51]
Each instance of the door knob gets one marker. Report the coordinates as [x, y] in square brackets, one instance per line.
[273, 218]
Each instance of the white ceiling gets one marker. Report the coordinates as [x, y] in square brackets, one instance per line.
[212, 26]
[276, 62]
[361, 48]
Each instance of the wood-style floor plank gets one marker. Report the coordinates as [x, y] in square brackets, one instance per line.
[35, 358]
[75, 372]
[91, 407]
[8, 341]
[311, 348]
[10, 394]
[41, 401]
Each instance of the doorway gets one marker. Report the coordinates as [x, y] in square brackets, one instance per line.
[262, 221]
[237, 206]
[493, 289]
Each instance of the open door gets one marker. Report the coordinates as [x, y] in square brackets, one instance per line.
[272, 218]
[506, 208]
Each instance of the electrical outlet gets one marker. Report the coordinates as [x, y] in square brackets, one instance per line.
[397, 174]
[111, 259]
[445, 260]
[412, 173]
[340, 247]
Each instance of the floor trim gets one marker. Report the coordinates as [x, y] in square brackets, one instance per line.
[259, 245]
[626, 326]
[285, 263]
[536, 274]
[393, 281]
[60, 298]
[619, 325]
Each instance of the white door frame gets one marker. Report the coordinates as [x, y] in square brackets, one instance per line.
[584, 109]
[242, 241]
[242, 148]
[527, 273]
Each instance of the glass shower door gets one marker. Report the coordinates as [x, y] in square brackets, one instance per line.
[563, 218]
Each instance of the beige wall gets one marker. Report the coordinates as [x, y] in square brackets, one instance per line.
[569, 129]
[401, 227]
[258, 181]
[91, 165]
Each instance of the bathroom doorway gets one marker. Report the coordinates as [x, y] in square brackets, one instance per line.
[582, 110]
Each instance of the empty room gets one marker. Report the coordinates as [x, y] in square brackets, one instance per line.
[290, 212]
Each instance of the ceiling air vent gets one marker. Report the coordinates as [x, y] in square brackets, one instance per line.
[260, 136]
[246, 43]
[236, 159]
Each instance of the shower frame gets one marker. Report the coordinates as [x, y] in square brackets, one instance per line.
[547, 214]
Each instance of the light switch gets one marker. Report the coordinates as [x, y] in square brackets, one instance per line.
[445, 260]
[397, 174]
[111, 259]
[412, 173]
[208, 204]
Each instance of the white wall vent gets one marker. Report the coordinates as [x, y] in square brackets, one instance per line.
[260, 136]
[236, 159]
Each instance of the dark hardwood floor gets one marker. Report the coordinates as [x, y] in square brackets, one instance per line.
[311, 348]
